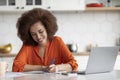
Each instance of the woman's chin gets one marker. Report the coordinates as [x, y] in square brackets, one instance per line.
[41, 44]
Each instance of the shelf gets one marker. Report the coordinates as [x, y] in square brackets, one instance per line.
[81, 54]
[7, 55]
[85, 54]
[87, 9]
[102, 9]
[13, 54]
[75, 54]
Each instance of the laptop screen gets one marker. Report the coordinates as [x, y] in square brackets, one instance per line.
[102, 59]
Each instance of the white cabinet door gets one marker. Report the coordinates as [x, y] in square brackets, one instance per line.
[21, 5]
[54, 5]
[6, 5]
[11, 5]
[30, 4]
[67, 5]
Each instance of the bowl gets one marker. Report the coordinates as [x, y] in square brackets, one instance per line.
[6, 48]
[94, 5]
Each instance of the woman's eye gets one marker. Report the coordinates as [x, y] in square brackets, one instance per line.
[41, 31]
[33, 34]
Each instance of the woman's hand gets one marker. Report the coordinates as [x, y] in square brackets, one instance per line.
[60, 68]
[52, 68]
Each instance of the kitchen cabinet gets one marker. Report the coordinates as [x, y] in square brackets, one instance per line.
[21, 5]
[67, 5]
[53, 5]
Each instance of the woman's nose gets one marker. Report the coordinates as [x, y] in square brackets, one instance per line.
[38, 36]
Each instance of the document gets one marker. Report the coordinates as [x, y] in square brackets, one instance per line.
[34, 72]
[14, 74]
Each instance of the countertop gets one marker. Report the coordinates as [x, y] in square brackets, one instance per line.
[14, 54]
[75, 54]
[113, 75]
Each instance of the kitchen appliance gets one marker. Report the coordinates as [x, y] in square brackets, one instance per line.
[72, 47]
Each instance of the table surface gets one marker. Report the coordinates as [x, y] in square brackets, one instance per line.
[114, 75]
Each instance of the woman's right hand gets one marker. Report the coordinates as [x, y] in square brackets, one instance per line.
[51, 68]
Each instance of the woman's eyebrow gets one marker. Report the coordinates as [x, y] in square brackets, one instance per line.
[37, 30]
[40, 30]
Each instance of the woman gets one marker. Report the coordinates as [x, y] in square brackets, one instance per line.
[41, 50]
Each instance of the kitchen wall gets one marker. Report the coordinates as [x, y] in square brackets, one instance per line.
[101, 28]
[84, 28]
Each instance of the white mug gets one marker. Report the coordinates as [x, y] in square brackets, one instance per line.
[3, 68]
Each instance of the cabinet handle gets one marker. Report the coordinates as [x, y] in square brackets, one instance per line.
[22, 7]
[17, 7]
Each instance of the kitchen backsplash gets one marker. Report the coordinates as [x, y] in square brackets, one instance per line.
[100, 28]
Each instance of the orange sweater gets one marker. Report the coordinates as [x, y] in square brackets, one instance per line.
[55, 49]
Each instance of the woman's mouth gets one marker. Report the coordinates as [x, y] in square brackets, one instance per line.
[40, 40]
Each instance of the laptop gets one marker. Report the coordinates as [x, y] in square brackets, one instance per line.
[101, 59]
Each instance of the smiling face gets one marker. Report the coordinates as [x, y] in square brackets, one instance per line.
[39, 34]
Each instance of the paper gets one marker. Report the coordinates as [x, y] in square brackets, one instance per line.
[14, 74]
[70, 74]
[34, 72]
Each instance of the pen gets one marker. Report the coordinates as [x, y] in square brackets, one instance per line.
[53, 60]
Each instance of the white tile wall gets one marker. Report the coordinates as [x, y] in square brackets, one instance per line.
[8, 32]
[83, 28]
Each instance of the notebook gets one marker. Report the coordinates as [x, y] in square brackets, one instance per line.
[101, 59]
